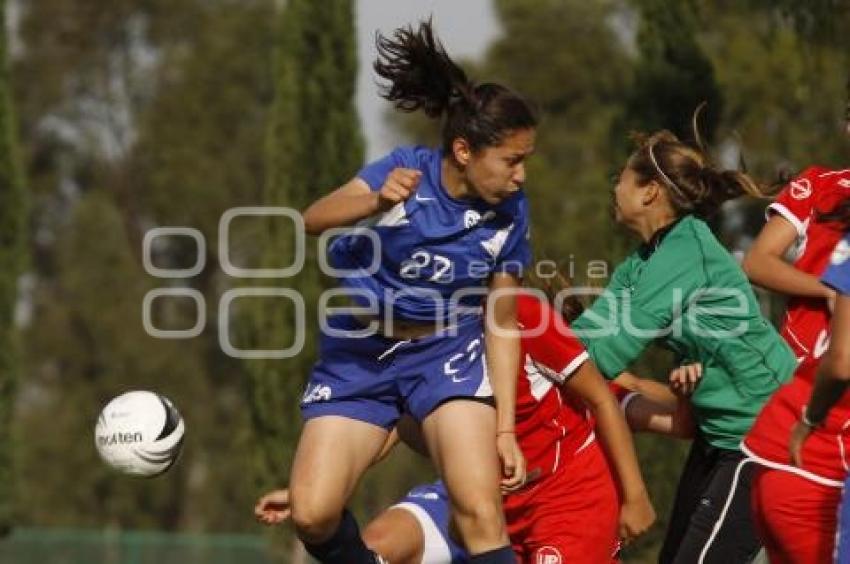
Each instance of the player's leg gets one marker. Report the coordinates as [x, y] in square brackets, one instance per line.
[693, 481]
[445, 384]
[795, 517]
[573, 513]
[350, 405]
[461, 439]
[416, 530]
[396, 535]
[721, 529]
[333, 453]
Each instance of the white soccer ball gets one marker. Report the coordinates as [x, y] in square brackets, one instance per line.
[139, 433]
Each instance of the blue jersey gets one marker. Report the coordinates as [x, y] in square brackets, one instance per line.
[431, 246]
[837, 274]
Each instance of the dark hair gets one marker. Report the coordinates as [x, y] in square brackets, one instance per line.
[692, 182]
[421, 75]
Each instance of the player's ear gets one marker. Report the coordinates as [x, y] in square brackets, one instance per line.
[461, 151]
[651, 192]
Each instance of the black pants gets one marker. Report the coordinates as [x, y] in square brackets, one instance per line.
[711, 521]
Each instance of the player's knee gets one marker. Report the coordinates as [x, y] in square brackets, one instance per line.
[482, 520]
[378, 536]
[314, 523]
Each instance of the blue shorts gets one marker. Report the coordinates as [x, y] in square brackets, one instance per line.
[429, 504]
[842, 535]
[376, 378]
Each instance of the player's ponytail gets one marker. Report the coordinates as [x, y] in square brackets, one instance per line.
[421, 75]
[719, 186]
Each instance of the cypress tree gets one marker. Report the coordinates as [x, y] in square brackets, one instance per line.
[314, 144]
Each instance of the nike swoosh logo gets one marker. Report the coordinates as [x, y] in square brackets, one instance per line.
[421, 199]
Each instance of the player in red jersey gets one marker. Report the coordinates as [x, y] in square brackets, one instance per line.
[795, 507]
[572, 509]
[793, 225]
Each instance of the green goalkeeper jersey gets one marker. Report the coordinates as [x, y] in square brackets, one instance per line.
[684, 291]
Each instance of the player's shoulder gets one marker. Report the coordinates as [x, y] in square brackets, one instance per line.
[537, 314]
[531, 307]
[826, 173]
[413, 156]
[801, 186]
[812, 172]
[375, 172]
[817, 180]
[833, 184]
[689, 235]
[686, 257]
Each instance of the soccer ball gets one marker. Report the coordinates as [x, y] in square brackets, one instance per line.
[139, 433]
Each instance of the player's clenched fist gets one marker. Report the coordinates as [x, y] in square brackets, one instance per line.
[399, 186]
[636, 516]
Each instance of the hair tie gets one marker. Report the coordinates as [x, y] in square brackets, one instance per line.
[663, 175]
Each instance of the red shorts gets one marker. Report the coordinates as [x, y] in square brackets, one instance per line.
[795, 517]
[570, 516]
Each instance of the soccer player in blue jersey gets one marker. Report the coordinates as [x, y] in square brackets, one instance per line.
[449, 230]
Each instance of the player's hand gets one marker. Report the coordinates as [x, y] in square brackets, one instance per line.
[513, 462]
[799, 434]
[398, 187]
[636, 517]
[273, 508]
[685, 379]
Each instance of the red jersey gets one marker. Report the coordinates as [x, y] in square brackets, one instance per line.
[816, 190]
[551, 426]
[826, 454]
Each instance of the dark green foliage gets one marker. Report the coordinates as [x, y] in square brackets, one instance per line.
[673, 75]
[134, 115]
[314, 145]
[818, 21]
[13, 227]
